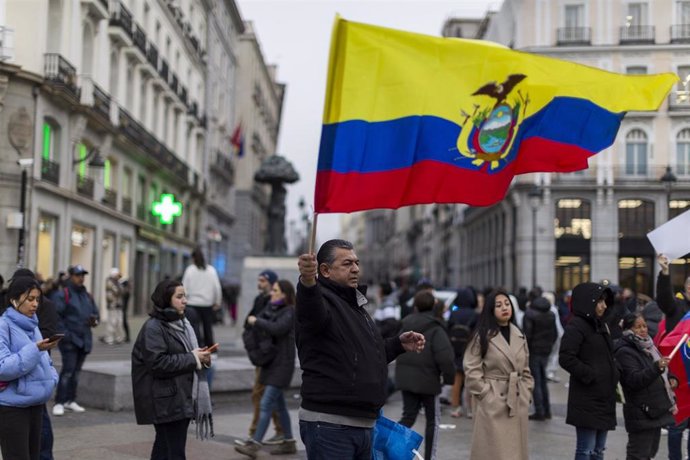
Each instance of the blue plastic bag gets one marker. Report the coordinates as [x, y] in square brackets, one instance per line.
[393, 441]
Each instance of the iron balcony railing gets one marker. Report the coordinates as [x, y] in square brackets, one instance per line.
[121, 16]
[60, 72]
[574, 36]
[152, 55]
[173, 82]
[680, 33]
[85, 186]
[101, 101]
[183, 94]
[163, 70]
[50, 171]
[126, 205]
[110, 198]
[139, 38]
[633, 35]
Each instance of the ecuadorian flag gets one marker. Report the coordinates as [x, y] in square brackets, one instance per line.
[412, 119]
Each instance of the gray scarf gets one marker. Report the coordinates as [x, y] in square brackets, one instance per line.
[201, 394]
[648, 347]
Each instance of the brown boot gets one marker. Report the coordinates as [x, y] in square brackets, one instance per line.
[289, 446]
[250, 449]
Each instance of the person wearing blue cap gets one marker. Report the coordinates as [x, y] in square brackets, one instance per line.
[77, 314]
[264, 283]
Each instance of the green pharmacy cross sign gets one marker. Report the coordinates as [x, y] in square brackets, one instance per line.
[167, 208]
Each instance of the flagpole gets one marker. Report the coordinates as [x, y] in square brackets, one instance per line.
[312, 237]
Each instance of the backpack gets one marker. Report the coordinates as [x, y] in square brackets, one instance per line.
[260, 346]
[459, 335]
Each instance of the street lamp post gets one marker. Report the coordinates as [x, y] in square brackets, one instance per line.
[24, 164]
[535, 196]
[668, 179]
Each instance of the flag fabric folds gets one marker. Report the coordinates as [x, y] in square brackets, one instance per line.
[237, 140]
[413, 119]
[679, 365]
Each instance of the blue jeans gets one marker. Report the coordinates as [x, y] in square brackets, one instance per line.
[272, 400]
[328, 441]
[675, 440]
[72, 361]
[590, 444]
[46, 437]
[537, 366]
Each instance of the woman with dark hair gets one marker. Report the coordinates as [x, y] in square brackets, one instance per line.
[649, 399]
[27, 375]
[204, 294]
[497, 376]
[278, 321]
[168, 374]
[587, 354]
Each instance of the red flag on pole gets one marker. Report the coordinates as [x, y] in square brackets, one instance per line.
[237, 140]
[679, 365]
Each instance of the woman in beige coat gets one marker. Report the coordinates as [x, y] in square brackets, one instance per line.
[498, 378]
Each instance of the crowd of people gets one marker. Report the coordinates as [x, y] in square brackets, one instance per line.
[489, 355]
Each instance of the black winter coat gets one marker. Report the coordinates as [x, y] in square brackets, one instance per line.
[643, 387]
[539, 325]
[344, 359]
[587, 354]
[421, 372]
[162, 374]
[673, 307]
[279, 322]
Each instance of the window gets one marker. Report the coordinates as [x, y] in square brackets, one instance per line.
[81, 154]
[683, 152]
[683, 12]
[46, 249]
[573, 219]
[684, 74]
[108, 174]
[127, 183]
[637, 14]
[574, 16]
[50, 132]
[636, 70]
[636, 153]
[635, 218]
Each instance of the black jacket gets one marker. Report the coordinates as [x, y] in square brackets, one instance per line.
[260, 302]
[673, 307]
[420, 372]
[344, 359]
[162, 374]
[47, 317]
[647, 403]
[539, 325]
[279, 322]
[587, 354]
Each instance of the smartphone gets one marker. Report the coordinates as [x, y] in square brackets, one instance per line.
[212, 348]
[55, 337]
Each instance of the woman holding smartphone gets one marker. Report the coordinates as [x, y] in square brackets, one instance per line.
[27, 375]
[168, 374]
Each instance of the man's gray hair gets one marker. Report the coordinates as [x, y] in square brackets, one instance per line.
[326, 254]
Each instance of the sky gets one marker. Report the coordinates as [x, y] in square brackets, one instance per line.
[295, 35]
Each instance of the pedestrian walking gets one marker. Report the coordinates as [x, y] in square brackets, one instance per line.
[343, 357]
[264, 284]
[419, 375]
[649, 400]
[541, 332]
[587, 354]
[277, 321]
[168, 374]
[27, 376]
[461, 324]
[77, 313]
[204, 293]
[113, 297]
[498, 377]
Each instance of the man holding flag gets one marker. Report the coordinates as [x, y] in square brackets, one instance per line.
[675, 324]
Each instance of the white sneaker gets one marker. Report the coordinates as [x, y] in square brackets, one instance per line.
[74, 407]
[58, 410]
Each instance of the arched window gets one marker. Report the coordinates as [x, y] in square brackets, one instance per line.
[683, 152]
[636, 153]
[87, 50]
[573, 232]
[114, 70]
[635, 253]
[51, 132]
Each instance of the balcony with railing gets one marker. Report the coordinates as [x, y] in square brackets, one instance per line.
[680, 33]
[126, 205]
[59, 72]
[173, 82]
[573, 36]
[222, 165]
[121, 17]
[163, 69]
[101, 101]
[85, 186]
[139, 38]
[110, 198]
[50, 171]
[636, 35]
[152, 55]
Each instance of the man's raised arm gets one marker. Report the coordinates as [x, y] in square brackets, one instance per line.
[310, 309]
